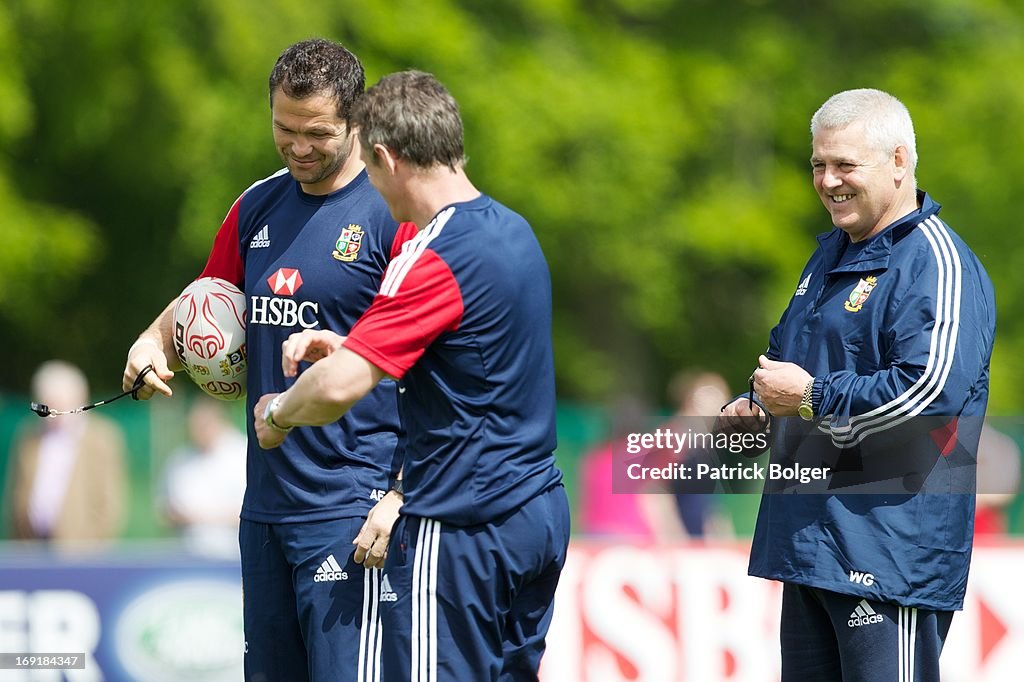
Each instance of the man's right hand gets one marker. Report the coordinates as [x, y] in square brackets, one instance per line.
[309, 345]
[147, 351]
[372, 541]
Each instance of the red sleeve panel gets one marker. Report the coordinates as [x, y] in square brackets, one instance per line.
[226, 255]
[417, 304]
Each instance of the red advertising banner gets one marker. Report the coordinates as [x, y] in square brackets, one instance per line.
[681, 613]
[623, 612]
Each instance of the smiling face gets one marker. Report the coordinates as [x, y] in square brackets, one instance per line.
[312, 140]
[864, 189]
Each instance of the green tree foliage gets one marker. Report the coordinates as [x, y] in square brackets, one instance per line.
[659, 149]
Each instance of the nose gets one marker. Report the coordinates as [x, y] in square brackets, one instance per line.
[301, 146]
[830, 179]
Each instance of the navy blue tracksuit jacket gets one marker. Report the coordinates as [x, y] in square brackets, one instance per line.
[897, 331]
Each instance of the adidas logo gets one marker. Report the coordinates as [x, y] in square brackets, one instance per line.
[802, 289]
[386, 593]
[864, 615]
[329, 571]
[262, 238]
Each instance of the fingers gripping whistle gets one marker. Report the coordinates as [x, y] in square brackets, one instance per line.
[44, 410]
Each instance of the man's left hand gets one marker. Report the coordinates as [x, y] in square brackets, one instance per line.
[268, 437]
[780, 386]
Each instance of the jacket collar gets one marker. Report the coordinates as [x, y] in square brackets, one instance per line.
[873, 253]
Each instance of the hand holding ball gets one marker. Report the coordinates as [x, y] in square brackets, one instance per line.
[209, 336]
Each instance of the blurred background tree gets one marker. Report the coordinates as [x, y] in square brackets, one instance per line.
[658, 148]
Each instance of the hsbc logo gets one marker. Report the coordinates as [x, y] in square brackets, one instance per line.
[283, 312]
[285, 282]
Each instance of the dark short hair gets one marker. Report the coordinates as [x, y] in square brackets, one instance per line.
[319, 67]
[414, 116]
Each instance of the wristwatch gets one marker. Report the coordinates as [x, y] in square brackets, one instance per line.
[806, 410]
[268, 415]
[398, 487]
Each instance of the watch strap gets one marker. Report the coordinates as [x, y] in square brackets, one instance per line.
[268, 415]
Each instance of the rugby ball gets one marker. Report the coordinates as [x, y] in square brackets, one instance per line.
[209, 336]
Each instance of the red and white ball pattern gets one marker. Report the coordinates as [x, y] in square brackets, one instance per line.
[209, 336]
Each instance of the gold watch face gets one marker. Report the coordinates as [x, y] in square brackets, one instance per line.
[805, 411]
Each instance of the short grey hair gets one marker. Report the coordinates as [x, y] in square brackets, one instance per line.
[887, 122]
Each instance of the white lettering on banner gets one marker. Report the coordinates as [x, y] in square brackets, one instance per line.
[563, 658]
[661, 613]
[14, 627]
[630, 618]
[722, 624]
[50, 621]
[687, 612]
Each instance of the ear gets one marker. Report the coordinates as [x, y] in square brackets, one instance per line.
[386, 158]
[901, 163]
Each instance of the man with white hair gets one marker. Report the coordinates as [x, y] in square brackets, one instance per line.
[67, 480]
[883, 353]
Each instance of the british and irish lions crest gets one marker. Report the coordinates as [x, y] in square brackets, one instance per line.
[855, 301]
[346, 249]
[209, 336]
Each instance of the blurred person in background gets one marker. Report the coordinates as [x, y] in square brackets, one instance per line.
[658, 511]
[698, 396]
[998, 481]
[67, 473]
[604, 513]
[204, 481]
